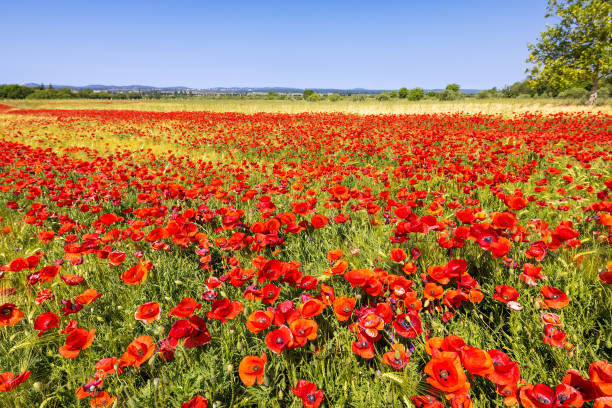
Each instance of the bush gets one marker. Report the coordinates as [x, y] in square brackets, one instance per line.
[358, 97]
[449, 95]
[383, 96]
[313, 97]
[452, 87]
[402, 93]
[574, 93]
[416, 94]
[334, 97]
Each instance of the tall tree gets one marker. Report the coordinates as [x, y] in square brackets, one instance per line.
[576, 49]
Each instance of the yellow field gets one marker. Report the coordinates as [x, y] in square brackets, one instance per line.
[501, 106]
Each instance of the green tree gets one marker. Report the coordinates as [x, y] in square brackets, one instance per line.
[575, 50]
[307, 93]
[416, 94]
[403, 93]
[393, 94]
[452, 87]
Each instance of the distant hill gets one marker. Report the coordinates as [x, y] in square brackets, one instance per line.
[284, 90]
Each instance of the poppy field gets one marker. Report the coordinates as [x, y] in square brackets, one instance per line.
[209, 259]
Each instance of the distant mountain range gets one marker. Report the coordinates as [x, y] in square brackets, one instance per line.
[146, 88]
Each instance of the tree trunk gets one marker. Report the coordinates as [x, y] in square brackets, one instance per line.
[593, 96]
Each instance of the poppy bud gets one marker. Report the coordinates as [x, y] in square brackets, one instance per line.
[119, 307]
[178, 282]
[230, 368]
[37, 386]
[161, 330]
[266, 381]
[168, 299]
[239, 347]
[156, 382]
[280, 394]
[99, 318]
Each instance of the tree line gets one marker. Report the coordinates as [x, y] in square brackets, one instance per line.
[40, 92]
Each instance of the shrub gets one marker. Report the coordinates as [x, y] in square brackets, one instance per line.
[334, 97]
[574, 93]
[383, 96]
[452, 87]
[449, 95]
[416, 94]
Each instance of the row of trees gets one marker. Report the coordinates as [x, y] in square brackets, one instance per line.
[40, 92]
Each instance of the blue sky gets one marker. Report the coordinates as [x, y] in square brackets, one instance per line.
[340, 44]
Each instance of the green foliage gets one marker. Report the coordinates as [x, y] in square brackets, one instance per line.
[576, 50]
[383, 96]
[15, 91]
[574, 93]
[307, 93]
[452, 87]
[313, 97]
[416, 94]
[450, 95]
[334, 97]
[402, 93]
[489, 93]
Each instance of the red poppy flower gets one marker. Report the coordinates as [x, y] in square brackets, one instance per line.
[8, 381]
[553, 336]
[87, 297]
[198, 334]
[72, 280]
[538, 396]
[531, 273]
[308, 392]
[554, 298]
[70, 308]
[408, 325]
[10, 315]
[586, 387]
[303, 330]
[251, 369]
[77, 341]
[505, 371]
[505, 294]
[101, 399]
[476, 361]
[197, 401]
[107, 366]
[601, 375]
[46, 321]
[148, 312]
[138, 352]
[319, 221]
[48, 273]
[137, 274]
[397, 357]
[185, 308]
[259, 321]
[311, 308]
[343, 307]
[116, 258]
[278, 339]
[433, 291]
[223, 309]
[445, 372]
[363, 347]
[270, 293]
[398, 254]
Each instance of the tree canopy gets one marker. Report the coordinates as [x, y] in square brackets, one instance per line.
[577, 49]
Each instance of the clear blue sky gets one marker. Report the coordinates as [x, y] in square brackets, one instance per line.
[340, 44]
